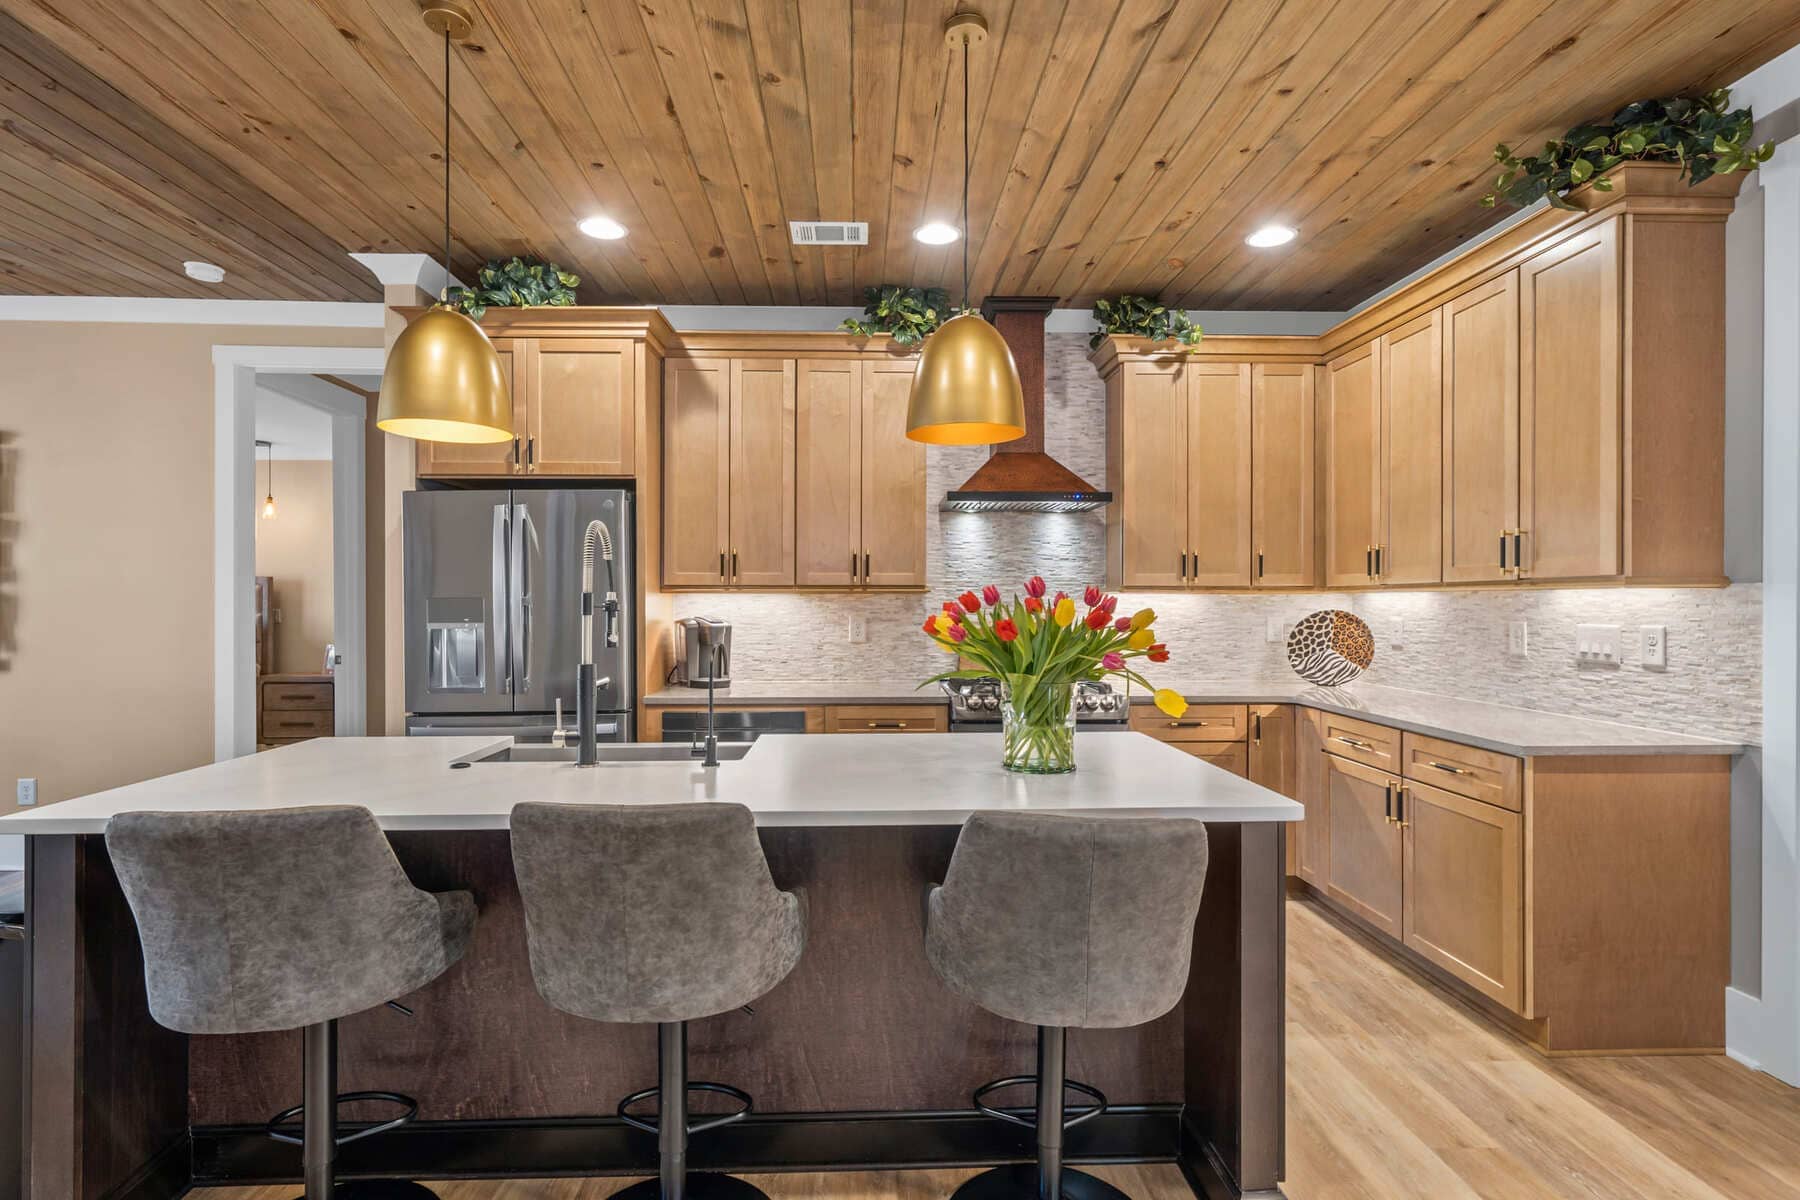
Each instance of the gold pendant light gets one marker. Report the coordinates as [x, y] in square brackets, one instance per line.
[966, 390]
[443, 381]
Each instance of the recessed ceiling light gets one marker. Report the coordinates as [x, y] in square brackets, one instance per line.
[602, 227]
[1270, 235]
[937, 234]
[205, 272]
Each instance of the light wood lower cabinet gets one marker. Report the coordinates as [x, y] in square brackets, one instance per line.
[1312, 840]
[1463, 889]
[1365, 874]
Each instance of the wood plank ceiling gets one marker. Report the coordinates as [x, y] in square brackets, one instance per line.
[1119, 145]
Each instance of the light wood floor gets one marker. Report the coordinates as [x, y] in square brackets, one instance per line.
[1396, 1092]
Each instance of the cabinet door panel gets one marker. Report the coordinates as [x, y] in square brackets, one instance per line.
[1570, 409]
[1312, 848]
[1153, 430]
[1281, 475]
[464, 460]
[1410, 535]
[1464, 889]
[893, 480]
[1481, 429]
[1365, 871]
[1352, 447]
[1219, 474]
[761, 548]
[696, 471]
[827, 473]
[1272, 743]
[583, 407]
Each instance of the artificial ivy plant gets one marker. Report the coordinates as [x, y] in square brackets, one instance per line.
[1702, 133]
[1144, 317]
[908, 314]
[514, 283]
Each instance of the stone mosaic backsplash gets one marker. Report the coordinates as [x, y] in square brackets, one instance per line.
[1448, 642]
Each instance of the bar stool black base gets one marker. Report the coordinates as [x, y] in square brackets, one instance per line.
[1020, 1182]
[700, 1185]
[379, 1189]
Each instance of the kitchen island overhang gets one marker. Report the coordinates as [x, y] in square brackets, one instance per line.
[859, 1059]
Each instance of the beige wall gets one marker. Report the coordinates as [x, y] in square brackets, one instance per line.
[106, 603]
[295, 550]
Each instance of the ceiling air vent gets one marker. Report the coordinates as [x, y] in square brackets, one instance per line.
[829, 233]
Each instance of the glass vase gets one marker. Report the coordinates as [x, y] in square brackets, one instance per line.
[1037, 722]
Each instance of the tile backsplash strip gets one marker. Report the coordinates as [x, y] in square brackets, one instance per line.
[1452, 643]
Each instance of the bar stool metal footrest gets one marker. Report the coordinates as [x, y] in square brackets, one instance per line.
[1000, 1114]
[273, 1128]
[694, 1085]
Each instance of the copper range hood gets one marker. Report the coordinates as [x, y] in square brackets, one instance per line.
[1018, 476]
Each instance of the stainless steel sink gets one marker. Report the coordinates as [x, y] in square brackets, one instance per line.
[611, 752]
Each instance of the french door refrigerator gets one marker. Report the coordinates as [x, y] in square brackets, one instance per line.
[493, 611]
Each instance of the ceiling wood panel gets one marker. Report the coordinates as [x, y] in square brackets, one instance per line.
[1119, 145]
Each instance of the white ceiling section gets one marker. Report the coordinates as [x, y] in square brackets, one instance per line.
[297, 430]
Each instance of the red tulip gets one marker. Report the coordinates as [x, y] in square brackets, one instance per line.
[1096, 618]
[1158, 653]
[1123, 624]
[1109, 603]
[1034, 587]
[951, 607]
[931, 624]
[1112, 660]
[1060, 597]
[1005, 630]
[1033, 604]
[958, 633]
[990, 595]
[970, 601]
[1091, 596]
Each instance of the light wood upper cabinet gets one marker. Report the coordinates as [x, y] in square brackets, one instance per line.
[1571, 409]
[696, 472]
[893, 480]
[761, 549]
[1219, 461]
[1149, 406]
[1464, 889]
[1281, 475]
[1351, 437]
[1481, 430]
[574, 413]
[1409, 534]
[483, 459]
[1364, 874]
[828, 475]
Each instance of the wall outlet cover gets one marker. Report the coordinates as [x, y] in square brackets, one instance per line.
[1396, 634]
[1516, 643]
[1653, 649]
[859, 628]
[1277, 632]
[27, 794]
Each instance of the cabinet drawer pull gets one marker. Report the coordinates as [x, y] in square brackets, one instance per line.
[721, 564]
[853, 566]
[295, 696]
[1387, 802]
[1187, 724]
[1256, 727]
[1350, 741]
[1400, 806]
[887, 724]
[1447, 767]
[734, 571]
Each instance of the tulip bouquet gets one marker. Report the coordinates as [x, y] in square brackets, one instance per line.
[1039, 649]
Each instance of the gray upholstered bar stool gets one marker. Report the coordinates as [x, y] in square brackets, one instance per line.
[285, 919]
[656, 913]
[1064, 922]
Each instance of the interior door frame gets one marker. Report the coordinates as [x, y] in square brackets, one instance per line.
[235, 372]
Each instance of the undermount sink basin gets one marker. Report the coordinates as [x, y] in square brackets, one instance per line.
[611, 752]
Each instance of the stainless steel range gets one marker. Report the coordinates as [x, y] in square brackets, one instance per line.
[975, 705]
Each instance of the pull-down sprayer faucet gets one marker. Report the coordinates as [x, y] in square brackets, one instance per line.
[586, 686]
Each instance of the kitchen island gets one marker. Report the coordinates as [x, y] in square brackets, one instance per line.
[859, 1059]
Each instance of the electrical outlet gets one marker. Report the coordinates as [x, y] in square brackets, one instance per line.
[1516, 645]
[1654, 647]
[859, 628]
[1277, 631]
[1597, 645]
[1396, 634]
[27, 792]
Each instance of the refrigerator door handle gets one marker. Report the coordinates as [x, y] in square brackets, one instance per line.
[502, 609]
[524, 541]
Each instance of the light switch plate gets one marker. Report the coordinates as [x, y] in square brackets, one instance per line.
[1516, 646]
[1277, 632]
[1396, 634]
[1597, 644]
[859, 628]
[27, 792]
[1654, 647]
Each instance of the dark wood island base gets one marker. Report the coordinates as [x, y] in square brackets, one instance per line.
[860, 1059]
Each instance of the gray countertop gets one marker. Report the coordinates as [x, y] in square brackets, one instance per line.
[1503, 728]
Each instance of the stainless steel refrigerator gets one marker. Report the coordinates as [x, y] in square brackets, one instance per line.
[493, 611]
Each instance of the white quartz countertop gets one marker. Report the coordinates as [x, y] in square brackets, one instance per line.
[794, 780]
[1509, 730]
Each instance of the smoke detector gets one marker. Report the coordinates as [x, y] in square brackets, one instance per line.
[205, 272]
[829, 233]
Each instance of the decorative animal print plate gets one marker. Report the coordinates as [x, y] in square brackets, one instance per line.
[1330, 647]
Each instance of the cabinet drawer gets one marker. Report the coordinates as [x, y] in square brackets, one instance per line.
[887, 718]
[1201, 723]
[1228, 756]
[296, 723]
[1361, 741]
[296, 695]
[1478, 774]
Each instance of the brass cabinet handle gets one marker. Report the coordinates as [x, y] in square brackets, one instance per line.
[1369, 561]
[1518, 551]
[734, 570]
[865, 566]
[1184, 564]
[1350, 741]
[1400, 805]
[1503, 551]
[1188, 724]
[1256, 727]
[1387, 802]
[515, 452]
[887, 724]
[531, 452]
[853, 566]
[1447, 767]
[721, 564]
[1378, 551]
[1259, 564]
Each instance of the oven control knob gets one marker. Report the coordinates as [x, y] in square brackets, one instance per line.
[991, 703]
[1084, 702]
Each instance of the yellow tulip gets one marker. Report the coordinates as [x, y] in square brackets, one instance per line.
[1142, 618]
[1065, 611]
[1140, 639]
[1170, 702]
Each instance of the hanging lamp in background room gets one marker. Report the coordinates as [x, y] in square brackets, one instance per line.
[268, 508]
[443, 381]
[966, 390]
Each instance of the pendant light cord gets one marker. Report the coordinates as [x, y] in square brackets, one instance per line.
[446, 288]
[965, 196]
